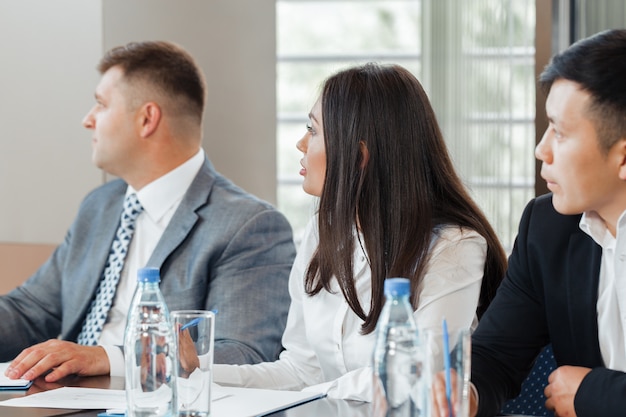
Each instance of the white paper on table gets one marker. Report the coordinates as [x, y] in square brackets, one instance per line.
[6, 382]
[72, 398]
[225, 401]
[251, 402]
[76, 398]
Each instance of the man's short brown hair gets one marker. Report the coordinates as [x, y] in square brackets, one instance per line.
[163, 66]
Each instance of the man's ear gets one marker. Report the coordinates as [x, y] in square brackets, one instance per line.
[365, 154]
[149, 118]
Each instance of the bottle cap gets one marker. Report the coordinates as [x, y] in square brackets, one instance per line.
[148, 275]
[396, 287]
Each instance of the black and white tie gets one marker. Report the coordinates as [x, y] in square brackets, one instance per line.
[101, 304]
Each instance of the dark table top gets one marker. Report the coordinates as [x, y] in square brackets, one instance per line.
[322, 407]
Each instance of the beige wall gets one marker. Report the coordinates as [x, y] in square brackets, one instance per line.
[49, 52]
[234, 42]
[48, 49]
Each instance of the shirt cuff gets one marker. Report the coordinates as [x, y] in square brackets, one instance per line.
[227, 375]
[116, 360]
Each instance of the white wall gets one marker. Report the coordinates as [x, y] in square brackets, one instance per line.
[49, 50]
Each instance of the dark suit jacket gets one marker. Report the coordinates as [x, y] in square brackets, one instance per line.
[223, 249]
[549, 295]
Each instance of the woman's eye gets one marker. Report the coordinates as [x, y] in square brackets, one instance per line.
[309, 128]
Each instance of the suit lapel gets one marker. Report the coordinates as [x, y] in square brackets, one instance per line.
[185, 216]
[582, 284]
[107, 223]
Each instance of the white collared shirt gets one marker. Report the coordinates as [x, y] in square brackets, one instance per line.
[159, 199]
[611, 304]
[323, 341]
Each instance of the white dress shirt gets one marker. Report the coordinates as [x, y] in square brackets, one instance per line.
[323, 341]
[159, 199]
[611, 304]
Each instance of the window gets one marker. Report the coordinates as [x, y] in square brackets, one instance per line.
[475, 60]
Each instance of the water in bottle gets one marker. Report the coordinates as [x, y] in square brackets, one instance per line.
[396, 362]
[149, 350]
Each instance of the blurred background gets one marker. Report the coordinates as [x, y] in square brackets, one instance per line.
[265, 61]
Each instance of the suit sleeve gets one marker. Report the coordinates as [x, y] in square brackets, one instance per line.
[249, 288]
[512, 331]
[52, 302]
[601, 393]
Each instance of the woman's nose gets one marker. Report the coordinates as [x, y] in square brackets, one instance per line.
[302, 144]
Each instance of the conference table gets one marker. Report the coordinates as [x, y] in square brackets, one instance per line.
[320, 407]
[325, 407]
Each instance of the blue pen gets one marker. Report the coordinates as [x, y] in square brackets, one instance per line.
[195, 321]
[446, 364]
[112, 413]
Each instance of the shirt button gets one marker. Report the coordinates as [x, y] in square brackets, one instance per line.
[338, 346]
[622, 258]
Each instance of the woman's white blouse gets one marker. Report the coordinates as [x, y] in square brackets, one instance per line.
[323, 341]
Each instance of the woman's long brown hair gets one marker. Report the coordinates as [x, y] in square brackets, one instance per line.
[398, 196]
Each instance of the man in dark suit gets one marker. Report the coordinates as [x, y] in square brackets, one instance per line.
[566, 279]
[216, 246]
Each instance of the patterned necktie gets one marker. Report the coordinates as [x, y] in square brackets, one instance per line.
[99, 309]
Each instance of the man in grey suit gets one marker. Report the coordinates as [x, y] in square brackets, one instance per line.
[217, 247]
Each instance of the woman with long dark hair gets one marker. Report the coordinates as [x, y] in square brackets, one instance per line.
[391, 205]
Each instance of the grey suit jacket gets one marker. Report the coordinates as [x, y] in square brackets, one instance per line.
[223, 249]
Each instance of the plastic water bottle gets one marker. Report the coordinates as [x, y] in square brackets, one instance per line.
[149, 350]
[396, 362]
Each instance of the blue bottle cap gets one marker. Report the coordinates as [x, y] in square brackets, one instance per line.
[148, 275]
[397, 287]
